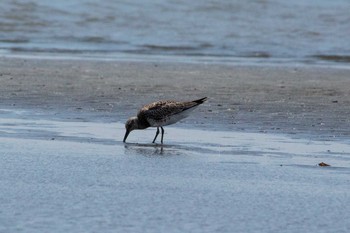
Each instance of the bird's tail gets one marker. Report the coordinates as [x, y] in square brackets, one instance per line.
[200, 101]
[193, 104]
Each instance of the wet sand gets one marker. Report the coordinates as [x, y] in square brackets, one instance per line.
[245, 161]
[279, 99]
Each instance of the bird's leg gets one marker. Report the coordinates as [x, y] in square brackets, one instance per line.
[162, 134]
[156, 135]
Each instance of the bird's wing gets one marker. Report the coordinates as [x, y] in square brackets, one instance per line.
[163, 109]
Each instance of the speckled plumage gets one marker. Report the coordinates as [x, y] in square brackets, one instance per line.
[161, 113]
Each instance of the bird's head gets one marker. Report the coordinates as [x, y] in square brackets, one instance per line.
[130, 125]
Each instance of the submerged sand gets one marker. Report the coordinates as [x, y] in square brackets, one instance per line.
[78, 176]
[288, 99]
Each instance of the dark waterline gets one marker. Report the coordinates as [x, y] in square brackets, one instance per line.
[274, 31]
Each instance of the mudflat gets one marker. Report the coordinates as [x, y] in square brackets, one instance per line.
[278, 99]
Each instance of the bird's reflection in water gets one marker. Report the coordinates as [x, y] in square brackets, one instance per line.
[151, 149]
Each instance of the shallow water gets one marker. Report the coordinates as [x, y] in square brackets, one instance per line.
[306, 31]
[278, 148]
[78, 176]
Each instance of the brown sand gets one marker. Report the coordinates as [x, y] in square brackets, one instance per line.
[288, 99]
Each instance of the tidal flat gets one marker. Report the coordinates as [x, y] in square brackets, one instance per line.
[245, 161]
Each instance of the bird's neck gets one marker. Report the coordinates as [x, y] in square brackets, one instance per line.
[142, 123]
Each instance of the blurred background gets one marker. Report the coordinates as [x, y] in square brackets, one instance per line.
[307, 31]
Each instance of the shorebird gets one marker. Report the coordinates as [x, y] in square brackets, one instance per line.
[159, 114]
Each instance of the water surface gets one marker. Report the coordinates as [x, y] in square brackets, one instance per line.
[79, 177]
[261, 30]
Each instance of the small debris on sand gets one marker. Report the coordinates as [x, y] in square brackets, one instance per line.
[322, 164]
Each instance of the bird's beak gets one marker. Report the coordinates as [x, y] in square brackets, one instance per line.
[126, 135]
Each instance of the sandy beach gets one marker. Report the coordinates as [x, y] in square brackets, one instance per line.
[245, 161]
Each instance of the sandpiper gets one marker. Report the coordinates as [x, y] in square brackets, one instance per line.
[159, 114]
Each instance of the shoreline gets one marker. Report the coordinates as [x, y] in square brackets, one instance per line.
[183, 59]
[293, 100]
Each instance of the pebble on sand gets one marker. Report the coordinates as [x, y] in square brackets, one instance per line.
[322, 164]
